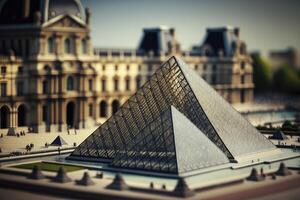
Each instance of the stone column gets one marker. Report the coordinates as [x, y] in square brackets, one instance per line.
[42, 48]
[13, 117]
[62, 112]
[77, 45]
[58, 45]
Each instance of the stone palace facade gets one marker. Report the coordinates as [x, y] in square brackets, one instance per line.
[52, 77]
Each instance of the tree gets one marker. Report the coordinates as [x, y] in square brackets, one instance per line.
[262, 73]
[287, 79]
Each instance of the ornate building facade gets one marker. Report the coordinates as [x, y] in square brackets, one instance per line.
[51, 76]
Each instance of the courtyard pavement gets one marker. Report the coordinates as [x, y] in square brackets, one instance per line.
[12, 143]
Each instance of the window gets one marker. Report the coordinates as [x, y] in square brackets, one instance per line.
[50, 45]
[214, 68]
[115, 106]
[128, 67]
[103, 85]
[116, 84]
[90, 110]
[27, 47]
[103, 109]
[70, 83]
[138, 82]
[242, 79]
[47, 68]
[214, 79]
[20, 69]
[67, 46]
[243, 65]
[45, 113]
[204, 67]
[196, 67]
[139, 67]
[84, 48]
[3, 70]
[45, 87]
[116, 67]
[242, 96]
[90, 85]
[148, 77]
[127, 83]
[103, 67]
[20, 88]
[3, 89]
[19, 45]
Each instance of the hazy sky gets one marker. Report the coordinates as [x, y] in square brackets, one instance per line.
[265, 24]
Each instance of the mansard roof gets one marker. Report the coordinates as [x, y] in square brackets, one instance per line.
[16, 12]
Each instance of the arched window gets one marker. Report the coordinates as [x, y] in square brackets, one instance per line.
[91, 110]
[116, 83]
[68, 46]
[242, 79]
[115, 106]
[138, 82]
[50, 45]
[103, 84]
[103, 109]
[45, 113]
[70, 83]
[22, 115]
[45, 87]
[84, 47]
[70, 114]
[127, 83]
[4, 117]
[243, 65]
[91, 87]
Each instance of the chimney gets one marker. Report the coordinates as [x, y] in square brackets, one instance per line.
[172, 32]
[236, 32]
[87, 16]
[26, 8]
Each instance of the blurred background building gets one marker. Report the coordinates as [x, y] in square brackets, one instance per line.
[289, 56]
[53, 78]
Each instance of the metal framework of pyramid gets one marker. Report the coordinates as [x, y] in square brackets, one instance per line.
[165, 145]
[174, 84]
[58, 141]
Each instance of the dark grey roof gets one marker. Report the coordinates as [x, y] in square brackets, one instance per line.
[15, 12]
[58, 141]
[220, 41]
[174, 83]
[11, 11]
[156, 40]
[60, 7]
[171, 144]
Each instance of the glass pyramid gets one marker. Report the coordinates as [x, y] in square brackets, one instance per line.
[165, 145]
[174, 83]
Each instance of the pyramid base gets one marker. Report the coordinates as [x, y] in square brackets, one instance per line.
[257, 157]
[11, 131]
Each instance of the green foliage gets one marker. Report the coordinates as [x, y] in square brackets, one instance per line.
[266, 128]
[288, 126]
[262, 73]
[287, 79]
[51, 167]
